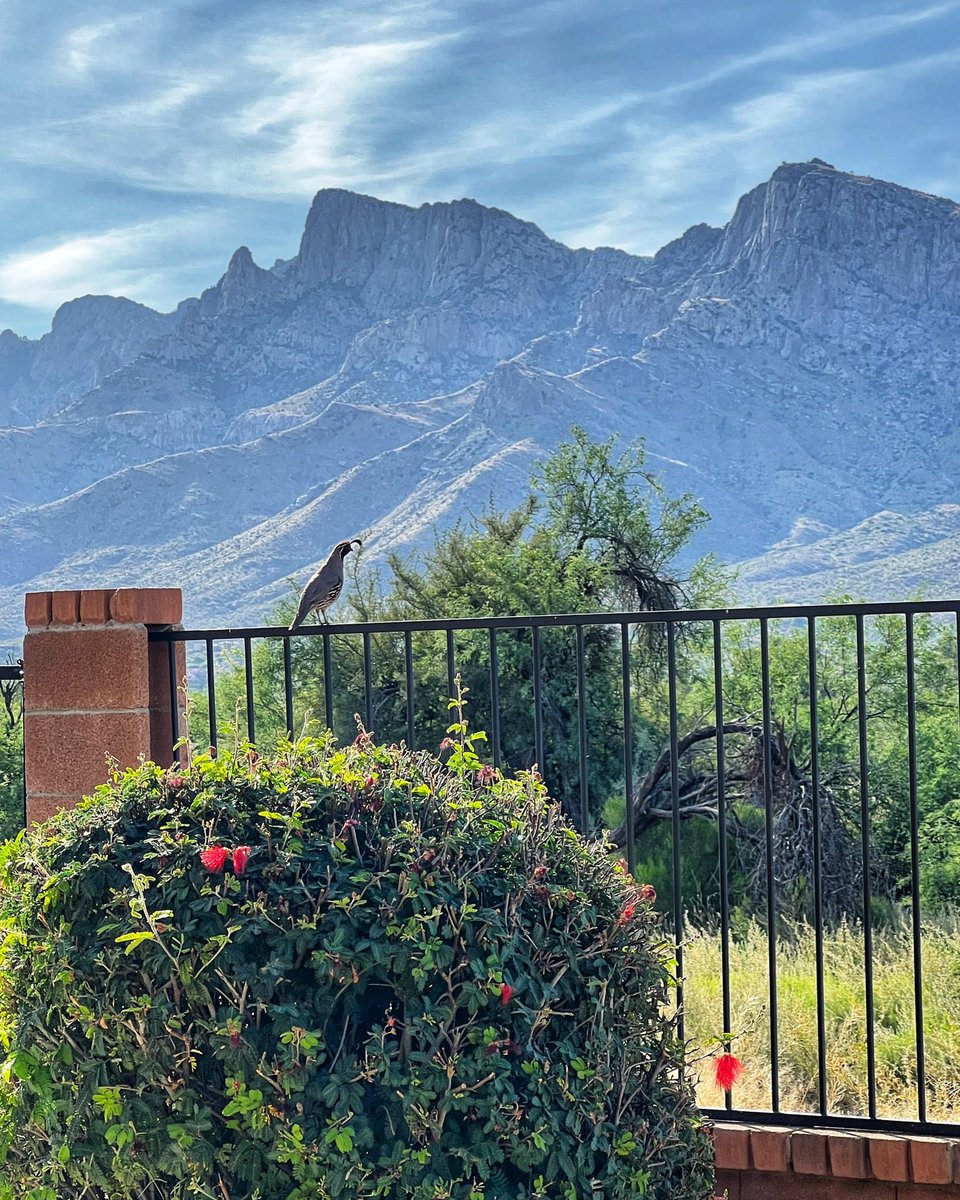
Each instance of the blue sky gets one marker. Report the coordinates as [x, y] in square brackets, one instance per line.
[141, 143]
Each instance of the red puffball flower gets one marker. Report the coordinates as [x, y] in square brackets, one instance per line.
[648, 893]
[627, 914]
[446, 744]
[540, 873]
[241, 856]
[214, 858]
[486, 775]
[506, 993]
[235, 1039]
[727, 1069]
[176, 782]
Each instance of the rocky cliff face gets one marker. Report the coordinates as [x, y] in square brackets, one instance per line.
[797, 369]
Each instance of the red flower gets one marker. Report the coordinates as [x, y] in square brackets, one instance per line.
[241, 854]
[214, 858]
[486, 775]
[176, 782]
[235, 1038]
[446, 744]
[727, 1069]
[506, 993]
[540, 873]
[648, 894]
[627, 914]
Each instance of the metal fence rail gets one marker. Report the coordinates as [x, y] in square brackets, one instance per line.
[584, 681]
[11, 713]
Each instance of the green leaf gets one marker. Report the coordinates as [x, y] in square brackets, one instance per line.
[133, 940]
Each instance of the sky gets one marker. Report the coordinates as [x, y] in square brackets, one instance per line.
[142, 143]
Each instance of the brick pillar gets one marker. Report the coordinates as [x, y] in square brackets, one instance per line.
[94, 689]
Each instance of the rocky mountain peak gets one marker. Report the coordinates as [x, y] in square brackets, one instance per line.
[393, 255]
[104, 312]
[242, 282]
[797, 370]
[815, 237]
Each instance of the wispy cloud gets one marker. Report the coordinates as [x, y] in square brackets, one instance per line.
[131, 261]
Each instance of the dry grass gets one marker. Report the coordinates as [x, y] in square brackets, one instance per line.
[844, 1016]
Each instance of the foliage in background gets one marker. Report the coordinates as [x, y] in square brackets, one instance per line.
[334, 973]
[11, 758]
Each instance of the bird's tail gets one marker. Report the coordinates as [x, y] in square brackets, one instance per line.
[298, 619]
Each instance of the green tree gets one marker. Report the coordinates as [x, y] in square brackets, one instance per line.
[597, 533]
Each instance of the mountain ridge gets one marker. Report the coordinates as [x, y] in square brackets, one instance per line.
[799, 364]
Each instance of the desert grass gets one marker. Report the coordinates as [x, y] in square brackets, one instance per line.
[845, 1018]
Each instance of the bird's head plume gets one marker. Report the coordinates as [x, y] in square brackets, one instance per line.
[344, 548]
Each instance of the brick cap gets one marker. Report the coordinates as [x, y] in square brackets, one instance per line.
[95, 606]
[37, 609]
[147, 606]
[848, 1154]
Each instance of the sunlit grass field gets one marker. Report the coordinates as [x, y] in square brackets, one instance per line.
[844, 1016]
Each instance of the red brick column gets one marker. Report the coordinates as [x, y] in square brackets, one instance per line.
[93, 689]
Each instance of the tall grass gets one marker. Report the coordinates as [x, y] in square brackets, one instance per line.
[845, 1018]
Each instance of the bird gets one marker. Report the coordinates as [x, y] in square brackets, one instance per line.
[325, 586]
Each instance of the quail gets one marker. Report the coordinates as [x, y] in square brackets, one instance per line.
[325, 586]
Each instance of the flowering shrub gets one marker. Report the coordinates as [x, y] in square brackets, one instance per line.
[334, 972]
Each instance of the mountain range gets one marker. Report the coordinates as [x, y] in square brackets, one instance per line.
[797, 370]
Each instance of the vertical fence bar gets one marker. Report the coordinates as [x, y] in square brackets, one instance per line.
[722, 843]
[675, 816]
[451, 667]
[865, 867]
[770, 864]
[537, 699]
[327, 681]
[408, 672]
[211, 694]
[628, 748]
[288, 687]
[817, 861]
[915, 868]
[367, 683]
[495, 697]
[248, 680]
[23, 767]
[582, 747]
[174, 693]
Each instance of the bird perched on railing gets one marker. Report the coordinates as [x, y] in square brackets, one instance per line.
[324, 587]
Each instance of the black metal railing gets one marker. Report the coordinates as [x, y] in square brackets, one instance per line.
[11, 717]
[815, 743]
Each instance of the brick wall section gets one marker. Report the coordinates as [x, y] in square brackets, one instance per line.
[769, 1163]
[94, 689]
